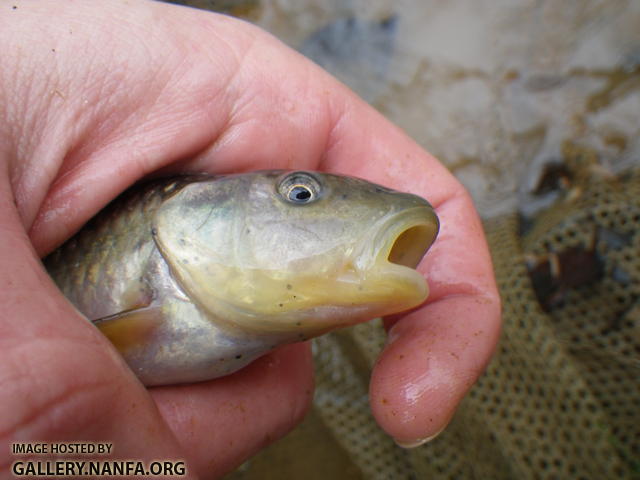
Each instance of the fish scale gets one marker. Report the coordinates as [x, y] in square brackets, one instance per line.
[90, 263]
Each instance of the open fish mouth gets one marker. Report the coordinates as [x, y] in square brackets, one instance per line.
[406, 237]
[410, 245]
[394, 251]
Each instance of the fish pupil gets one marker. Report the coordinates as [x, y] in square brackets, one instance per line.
[300, 194]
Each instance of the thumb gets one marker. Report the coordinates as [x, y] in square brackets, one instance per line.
[60, 380]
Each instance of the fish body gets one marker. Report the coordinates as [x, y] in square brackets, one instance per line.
[192, 278]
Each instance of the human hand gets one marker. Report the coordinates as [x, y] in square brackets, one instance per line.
[98, 95]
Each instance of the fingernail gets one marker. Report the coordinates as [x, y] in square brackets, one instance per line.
[416, 443]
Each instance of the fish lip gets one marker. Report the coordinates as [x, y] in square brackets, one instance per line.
[380, 240]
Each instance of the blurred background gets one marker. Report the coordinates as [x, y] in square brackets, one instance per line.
[494, 88]
[535, 106]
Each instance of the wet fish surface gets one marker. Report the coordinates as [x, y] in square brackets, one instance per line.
[191, 278]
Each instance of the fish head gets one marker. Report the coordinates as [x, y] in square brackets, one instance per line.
[282, 251]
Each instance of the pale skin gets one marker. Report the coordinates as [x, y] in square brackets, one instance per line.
[97, 95]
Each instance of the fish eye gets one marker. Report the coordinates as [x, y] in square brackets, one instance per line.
[299, 188]
[300, 193]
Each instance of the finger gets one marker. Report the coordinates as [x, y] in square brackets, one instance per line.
[125, 90]
[59, 378]
[436, 353]
[243, 102]
[242, 413]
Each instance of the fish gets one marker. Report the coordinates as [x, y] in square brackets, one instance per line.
[193, 277]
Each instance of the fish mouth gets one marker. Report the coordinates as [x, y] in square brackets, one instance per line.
[388, 261]
[408, 245]
[405, 238]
